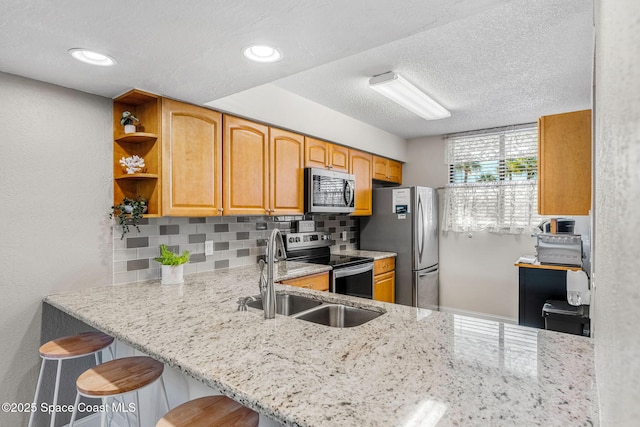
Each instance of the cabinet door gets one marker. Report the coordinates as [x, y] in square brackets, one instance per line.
[317, 282]
[380, 168]
[394, 171]
[384, 287]
[246, 167]
[191, 160]
[286, 156]
[360, 165]
[316, 153]
[564, 164]
[338, 158]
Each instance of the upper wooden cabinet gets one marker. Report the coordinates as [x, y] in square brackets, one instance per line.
[263, 169]
[387, 170]
[286, 157]
[191, 160]
[246, 167]
[145, 142]
[322, 154]
[361, 165]
[564, 164]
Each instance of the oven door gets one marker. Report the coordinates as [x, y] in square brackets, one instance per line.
[356, 281]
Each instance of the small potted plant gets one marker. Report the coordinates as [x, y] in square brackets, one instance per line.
[127, 121]
[172, 266]
[128, 213]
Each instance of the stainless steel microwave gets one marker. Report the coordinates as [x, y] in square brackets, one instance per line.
[329, 191]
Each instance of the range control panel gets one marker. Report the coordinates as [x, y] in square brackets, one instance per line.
[315, 239]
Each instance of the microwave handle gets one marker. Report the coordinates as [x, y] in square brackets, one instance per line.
[348, 193]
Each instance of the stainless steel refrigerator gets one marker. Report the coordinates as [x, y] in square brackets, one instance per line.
[405, 221]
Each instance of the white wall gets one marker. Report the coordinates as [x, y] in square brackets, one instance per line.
[617, 203]
[55, 191]
[477, 275]
[274, 105]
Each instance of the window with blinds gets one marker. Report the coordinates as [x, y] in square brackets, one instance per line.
[493, 180]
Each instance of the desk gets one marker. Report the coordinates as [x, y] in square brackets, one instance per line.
[539, 283]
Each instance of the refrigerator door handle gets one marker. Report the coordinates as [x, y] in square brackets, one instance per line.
[420, 229]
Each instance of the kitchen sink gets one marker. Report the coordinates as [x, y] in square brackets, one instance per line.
[338, 316]
[288, 304]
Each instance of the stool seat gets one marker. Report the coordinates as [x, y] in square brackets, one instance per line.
[75, 346]
[210, 411]
[119, 376]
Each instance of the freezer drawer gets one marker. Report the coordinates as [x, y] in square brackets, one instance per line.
[426, 289]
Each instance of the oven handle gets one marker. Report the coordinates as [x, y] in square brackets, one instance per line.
[351, 271]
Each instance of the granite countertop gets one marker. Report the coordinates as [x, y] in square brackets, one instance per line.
[376, 255]
[408, 367]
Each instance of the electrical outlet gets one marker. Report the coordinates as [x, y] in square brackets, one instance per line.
[208, 247]
[344, 236]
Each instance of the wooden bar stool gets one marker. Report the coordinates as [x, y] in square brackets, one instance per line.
[210, 411]
[117, 378]
[67, 348]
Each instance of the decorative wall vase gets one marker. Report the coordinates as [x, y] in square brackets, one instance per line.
[172, 274]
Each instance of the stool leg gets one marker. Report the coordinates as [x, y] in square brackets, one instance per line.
[127, 415]
[55, 393]
[35, 398]
[164, 391]
[75, 410]
[103, 415]
[138, 413]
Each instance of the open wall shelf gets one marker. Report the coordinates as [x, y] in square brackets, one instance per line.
[145, 142]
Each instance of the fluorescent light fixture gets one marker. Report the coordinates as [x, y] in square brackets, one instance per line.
[262, 53]
[407, 95]
[92, 57]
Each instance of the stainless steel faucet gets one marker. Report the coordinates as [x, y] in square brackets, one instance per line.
[267, 288]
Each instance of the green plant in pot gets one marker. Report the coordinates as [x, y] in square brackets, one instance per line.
[172, 265]
[128, 213]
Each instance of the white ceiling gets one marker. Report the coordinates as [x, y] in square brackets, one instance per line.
[490, 62]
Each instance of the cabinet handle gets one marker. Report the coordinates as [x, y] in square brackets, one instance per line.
[309, 285]
[220, 209]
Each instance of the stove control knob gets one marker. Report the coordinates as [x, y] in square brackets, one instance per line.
[291, 239]
[297, 239]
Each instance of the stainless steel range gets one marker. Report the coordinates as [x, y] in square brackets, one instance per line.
[350, 275]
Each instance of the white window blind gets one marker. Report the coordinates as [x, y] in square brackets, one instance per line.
[493, 180]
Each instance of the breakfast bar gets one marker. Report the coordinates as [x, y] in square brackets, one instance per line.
[407, 367]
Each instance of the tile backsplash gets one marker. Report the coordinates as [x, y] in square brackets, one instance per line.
[237, 240]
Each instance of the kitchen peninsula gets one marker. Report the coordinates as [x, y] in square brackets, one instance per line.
[408, 367]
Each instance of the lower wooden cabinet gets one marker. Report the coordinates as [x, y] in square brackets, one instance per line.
[384, 280]
[317, 282]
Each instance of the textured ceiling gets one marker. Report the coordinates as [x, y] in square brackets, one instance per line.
[508, 65]
[490, 62]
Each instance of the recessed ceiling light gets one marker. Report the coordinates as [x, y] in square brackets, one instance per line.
[92, 57]
[262, 53]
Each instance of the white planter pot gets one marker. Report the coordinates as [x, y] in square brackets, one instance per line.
[129, 128]
[172, 274]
